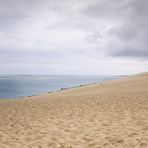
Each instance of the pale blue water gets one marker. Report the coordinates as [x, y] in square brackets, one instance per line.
[17, 86]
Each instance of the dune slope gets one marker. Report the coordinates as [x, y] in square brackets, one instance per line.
[112, 115]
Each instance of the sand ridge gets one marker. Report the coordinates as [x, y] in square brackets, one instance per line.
[113, 114]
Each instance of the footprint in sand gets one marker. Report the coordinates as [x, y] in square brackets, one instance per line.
[87, 139]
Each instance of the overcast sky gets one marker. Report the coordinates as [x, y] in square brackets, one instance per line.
[73, 36]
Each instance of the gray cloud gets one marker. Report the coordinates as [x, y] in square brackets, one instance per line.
[12, 12]
[120, 28]
[132, 33]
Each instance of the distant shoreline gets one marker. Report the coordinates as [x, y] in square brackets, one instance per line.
[62, 89]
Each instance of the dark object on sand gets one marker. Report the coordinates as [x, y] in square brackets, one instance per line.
[63, 88]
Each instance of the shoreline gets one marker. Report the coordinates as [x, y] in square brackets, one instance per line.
[62, 89]
[51, 92]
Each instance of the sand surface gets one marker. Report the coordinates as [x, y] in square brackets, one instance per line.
[109, 115]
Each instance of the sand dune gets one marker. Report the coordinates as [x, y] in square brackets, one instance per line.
[109, 115]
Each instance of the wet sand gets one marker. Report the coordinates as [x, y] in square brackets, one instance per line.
[113, 114]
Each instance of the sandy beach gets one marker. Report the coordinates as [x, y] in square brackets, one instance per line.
[113, 114]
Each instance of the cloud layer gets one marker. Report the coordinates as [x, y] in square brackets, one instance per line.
[63, 32]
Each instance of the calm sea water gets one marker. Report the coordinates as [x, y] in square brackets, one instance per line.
[17, 86]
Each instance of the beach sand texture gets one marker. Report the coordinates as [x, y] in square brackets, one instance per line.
[113, 114]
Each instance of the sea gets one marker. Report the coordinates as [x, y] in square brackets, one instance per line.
[13, 86]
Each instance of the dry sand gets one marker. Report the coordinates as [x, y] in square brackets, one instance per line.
[108, 115]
